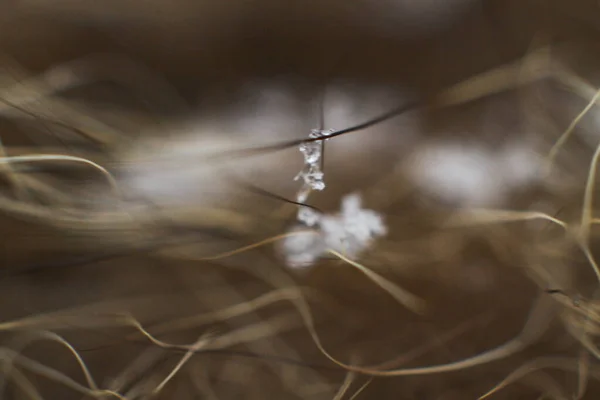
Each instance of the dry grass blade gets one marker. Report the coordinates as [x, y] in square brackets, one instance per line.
[405, 298]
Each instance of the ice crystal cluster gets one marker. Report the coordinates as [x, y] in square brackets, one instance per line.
[349, 232]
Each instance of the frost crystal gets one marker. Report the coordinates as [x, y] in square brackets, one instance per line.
[353, 230]
[302, 250]
[311, 174]
[308, 216]
[349, 232]
[312, 150]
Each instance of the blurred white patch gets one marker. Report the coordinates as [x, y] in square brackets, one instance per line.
[268, 110]
[174, 171]
[519, 165]
[471, 175]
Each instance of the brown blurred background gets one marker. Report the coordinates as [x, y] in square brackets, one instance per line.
[209, 55]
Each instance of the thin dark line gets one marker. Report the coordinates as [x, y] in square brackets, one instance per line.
[266, 193]
[128, 251]
[288, 144]
[382, 118]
